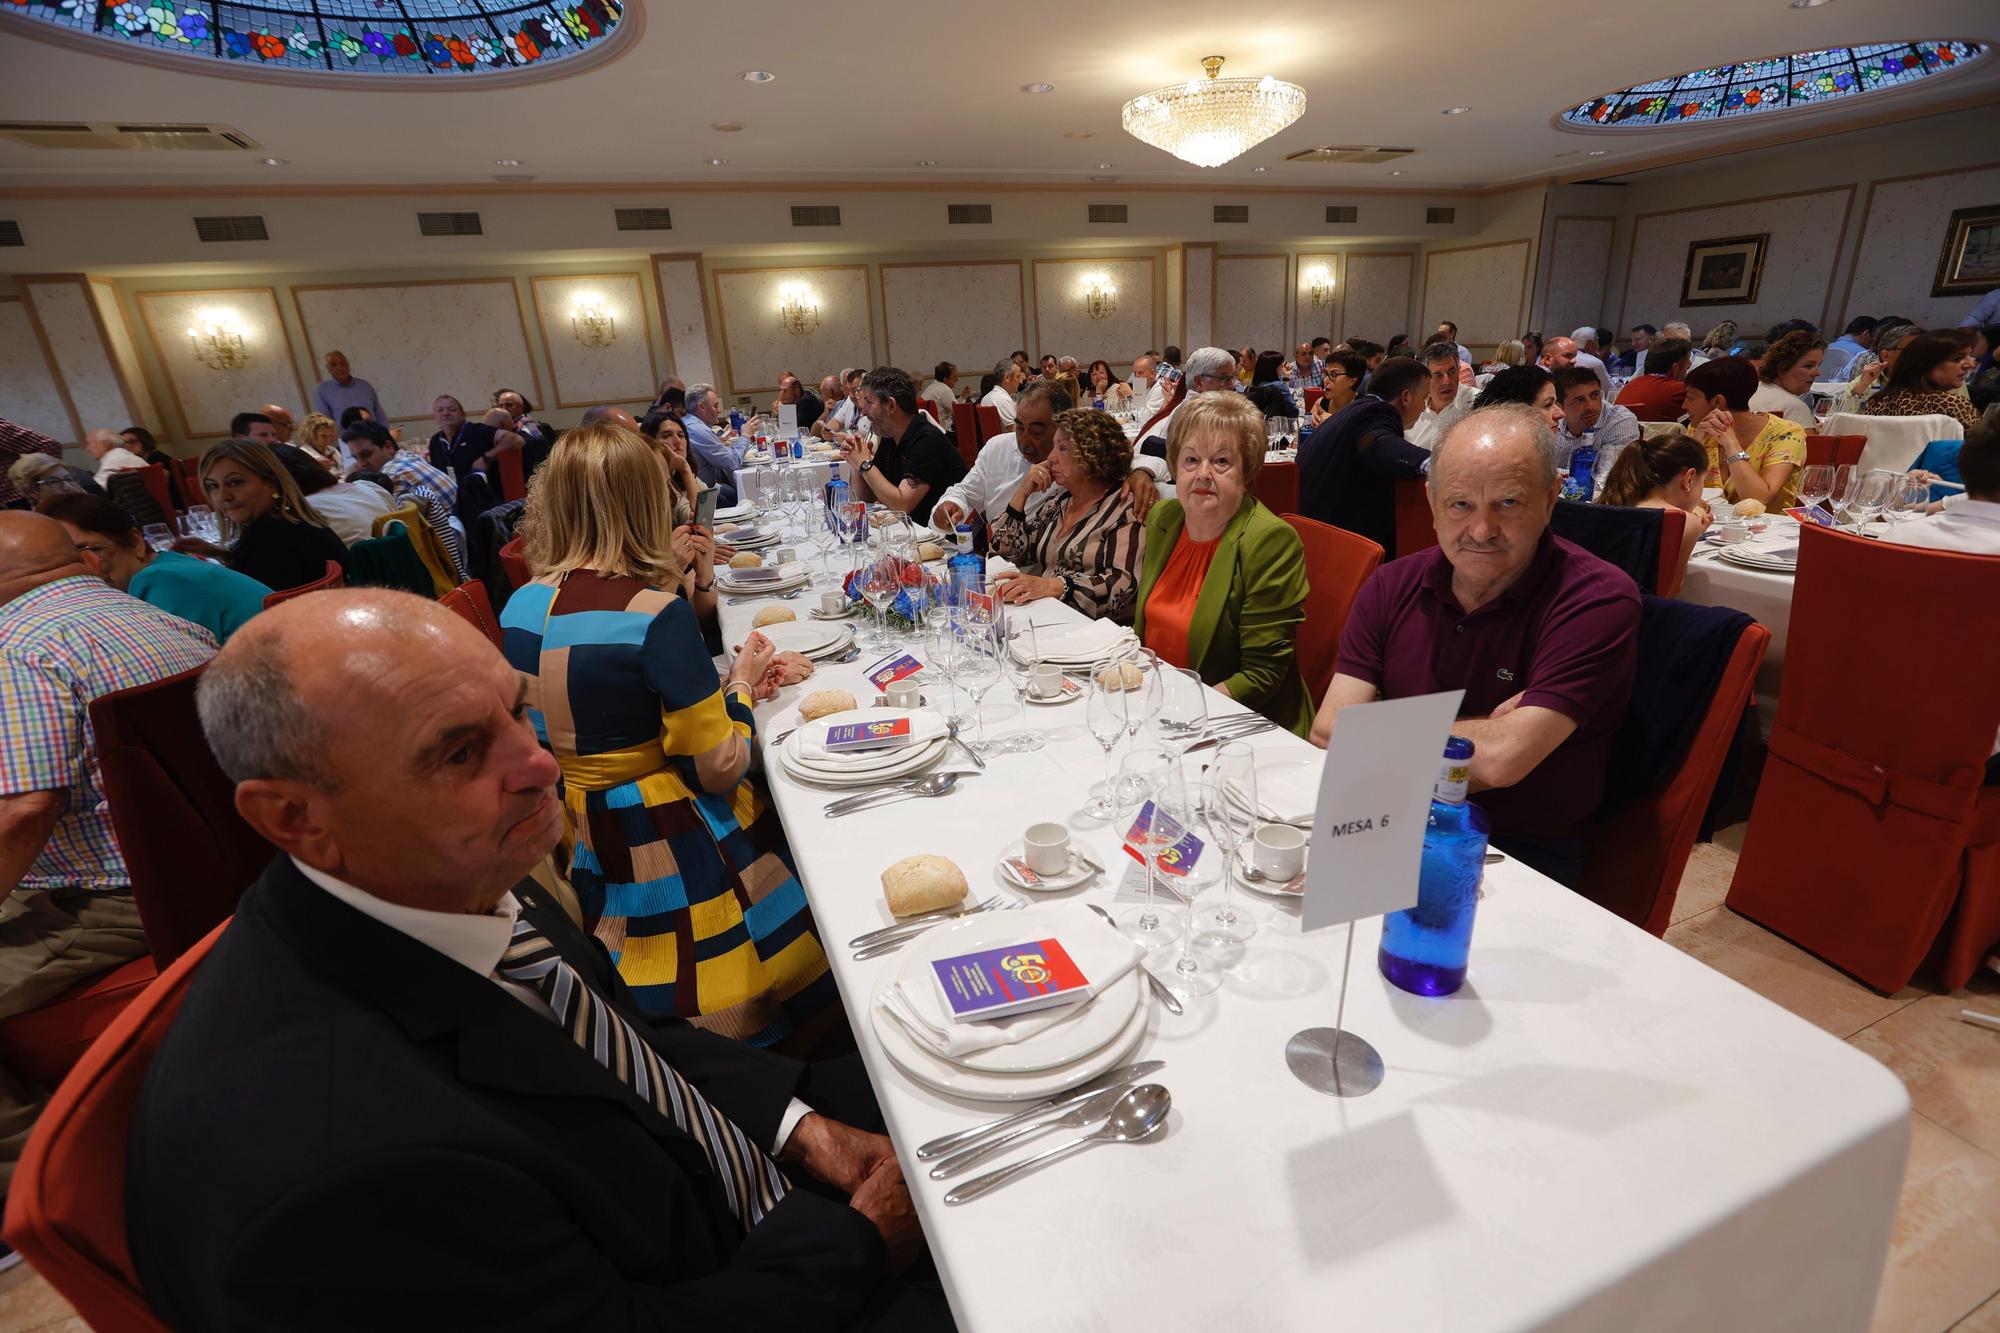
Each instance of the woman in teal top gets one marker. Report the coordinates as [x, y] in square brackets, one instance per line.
[212, 596]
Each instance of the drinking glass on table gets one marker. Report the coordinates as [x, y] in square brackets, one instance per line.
[1148, 777]
[1912, 501]
[880, 584]
[1104, 717]
[1183, 712]
[159, 536]
[1148, 693]
[1018, 656]
[978, 668]
[942, 654]
[1868, 496]
[1815, 484]
[1233, 773]
[1191, 866]
[1844, 478]
[203, 522]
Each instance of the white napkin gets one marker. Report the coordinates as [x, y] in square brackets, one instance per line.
[996, 565]
[924, 726]
[1099, 951]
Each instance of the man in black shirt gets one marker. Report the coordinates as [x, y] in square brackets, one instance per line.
[912, 463]
[792, 391]
[465, 449]
[1348, 467]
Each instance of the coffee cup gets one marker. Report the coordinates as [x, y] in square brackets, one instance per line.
[1279, 850]
[1045, 847]
[831, 603]
[1046, 682]
[905, 693]
[786, 556]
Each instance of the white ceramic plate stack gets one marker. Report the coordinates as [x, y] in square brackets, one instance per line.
[814, 640]
[794, 575]
[1776, 559]
[735, 513]
[804, 755]
[749, 537]
[1097, 1036]
[1080, 645]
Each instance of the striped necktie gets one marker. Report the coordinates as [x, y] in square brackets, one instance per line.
[750, 1180]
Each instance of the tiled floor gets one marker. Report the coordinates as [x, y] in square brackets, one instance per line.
[1944, 1258]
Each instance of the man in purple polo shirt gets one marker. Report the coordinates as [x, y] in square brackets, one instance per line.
[1540, 634]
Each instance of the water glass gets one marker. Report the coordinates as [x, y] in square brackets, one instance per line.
[1148, 775]
[942, 654]
[1233, 773]
[1195, 809]
[1183, 712]
[1104, 718]
[1868, 496]
[880, 584]
[159, 536]
[979, 671]
[1816, 484]
[1018, 659]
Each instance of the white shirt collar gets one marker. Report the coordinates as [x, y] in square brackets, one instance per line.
[473, 942]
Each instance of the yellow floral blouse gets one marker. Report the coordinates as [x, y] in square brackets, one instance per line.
[1780, 441]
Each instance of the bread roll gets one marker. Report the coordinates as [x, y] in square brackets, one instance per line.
[721, 528]
[918, 884]
[1121, 675]
[746, 560]
[821, 703]
[772, 615]
[929, 551]
[1749, 508]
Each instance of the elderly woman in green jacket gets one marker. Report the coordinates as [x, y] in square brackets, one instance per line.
[1222, 590]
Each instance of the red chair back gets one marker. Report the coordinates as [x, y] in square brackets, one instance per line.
[189, 472]
[1278, 487]
[1414, 529]
[1673, 525]
[1313, 396]
[66, 1205]
[516, 565]
[470, 600]
[990, 423]
[924, 406]
[1633, 859]
[160, 486]
[965, 424]
[333, 578]
[1869, 842]
[1834, 449]
[513, 474]
[1338, 562]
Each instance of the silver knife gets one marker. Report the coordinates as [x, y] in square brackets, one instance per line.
[951, 1143]
[1243, 734]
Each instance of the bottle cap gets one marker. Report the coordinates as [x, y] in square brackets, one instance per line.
[1458, 747]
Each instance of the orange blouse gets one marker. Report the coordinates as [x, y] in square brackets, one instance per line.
[1170, 609]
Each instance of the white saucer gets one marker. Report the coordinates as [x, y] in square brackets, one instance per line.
[1077, 874]
[1264, 888]
[1055, 700]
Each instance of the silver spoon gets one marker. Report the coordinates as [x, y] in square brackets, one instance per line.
[764, 597]
[1083, 1117]
[937, 784]
[1138, 1115]
[1168, 1000]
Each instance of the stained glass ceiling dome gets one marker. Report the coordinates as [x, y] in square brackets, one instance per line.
[1782, 83]
[414, 39]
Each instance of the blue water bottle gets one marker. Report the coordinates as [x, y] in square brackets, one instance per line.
[1424, 949]
[1581, 483]
[966, 570]
[799, 451]
[836, 506]
[736, 420]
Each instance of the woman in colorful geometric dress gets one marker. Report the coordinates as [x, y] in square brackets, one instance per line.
[678, 860]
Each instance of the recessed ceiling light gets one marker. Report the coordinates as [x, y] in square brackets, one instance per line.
[1104, 180]
[1454, 111]
[718, 161]
[281, 162]
[1597, 152]
[1038, 87]
[1395, 173]
[1808, 4]
[1074, 134]
[927, 162]
[726, 126]
[756, 76]
[1106, 166]
[1260, 168]
[498, 161]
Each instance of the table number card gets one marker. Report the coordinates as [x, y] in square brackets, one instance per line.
[788, 421]
[1374, 801]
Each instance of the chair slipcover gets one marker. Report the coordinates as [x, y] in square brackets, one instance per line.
[1627, 537]
[513, 474]
[1834, 449]
[1893, 442]
[515, 564]
[129, 491]
[1278, 487]
[965, 425]
[469, 600]
[1338, 562]
[159, 484]
[990, 424]
[391, 561]
[66, 1207]
[188, 471]
[1872, 839]
[333, 578]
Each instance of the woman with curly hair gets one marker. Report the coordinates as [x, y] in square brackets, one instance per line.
[1084, 543]
[1787, 372]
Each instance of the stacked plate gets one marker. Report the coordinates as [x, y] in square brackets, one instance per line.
[735, 513]
[765, 579]
[1079, 1044]
[1079, 644]
[750, 537]
[1783, 559]
[803, 753]
[816, 641]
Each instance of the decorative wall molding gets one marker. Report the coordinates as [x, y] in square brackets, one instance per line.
[1900, 265]
[204, 400]
[1253, 304]
[970, 312]
[684, 309]
[753, 338]
[627, 371]
[78, 344]
[30, 391]
[1793, 272]
[1378, 294]
[1063, 324]
[1472, 286]
[1577, 287]
[1197, 296]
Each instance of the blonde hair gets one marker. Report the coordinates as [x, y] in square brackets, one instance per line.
[24, 470]
[316, 422]
[1513, 352]
[1230, 415]
[601, 503]
[257, 459]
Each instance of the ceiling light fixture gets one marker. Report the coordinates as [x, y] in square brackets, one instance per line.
[1260, 168]
[1454, 111]
[1395, 173]
[505, 161]
[726, 126]
[718, 161]
[1808, 4]
[277, 161]
[1103, 180]
[1208, 121]
[1597, 152]
[756, 76]
[1106, 166]
[1078, 134]
[1038, 87]
[927, 162]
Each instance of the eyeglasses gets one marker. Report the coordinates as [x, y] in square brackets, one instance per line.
[94, 548]
[54, 483]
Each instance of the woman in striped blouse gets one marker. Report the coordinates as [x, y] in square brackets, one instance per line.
[1083, 544]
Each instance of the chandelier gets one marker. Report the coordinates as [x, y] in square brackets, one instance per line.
[1209, 121]
[799, 309]
[217, 341]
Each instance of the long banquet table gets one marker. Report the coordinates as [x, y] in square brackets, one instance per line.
[1598, 1132]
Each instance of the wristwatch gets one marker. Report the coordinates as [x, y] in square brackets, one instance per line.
[868, 464]
[1740, 456]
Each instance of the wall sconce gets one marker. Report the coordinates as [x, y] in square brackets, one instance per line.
[592, 324]
[218, 342]
[798, 308]
[1319, 288]
[1100, 298]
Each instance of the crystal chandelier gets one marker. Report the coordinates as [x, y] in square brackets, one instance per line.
[1209, 121]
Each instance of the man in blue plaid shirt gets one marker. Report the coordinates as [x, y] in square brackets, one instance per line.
[66, 909]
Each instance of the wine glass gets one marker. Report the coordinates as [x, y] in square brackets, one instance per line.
[1915, 500]
[1868, 496]
[1815, 484]
[1233, 772]
[942, 653]
[1017, 661]
[880, 586]
[1843, 485]
[1183, 712]
[1148, 778]
[159, 536]
[1192, 865]
[1104, 718]
[1147, 694]
[978, 669]
[204, 522]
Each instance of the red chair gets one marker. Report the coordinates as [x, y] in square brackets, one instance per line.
[1634, 856]
[923, 405]
[1872, 842]
[516, 565]
[1278, 487]
[469, 599]
[1414, 530]
[333, 578]
[1338, 562]
[1835, 449]
[66, 1206]
[160, 486]
[1312, 397]
[1673, 526]
[513, 475]
[189, 472]
[990, 423]
[965, 424]
[44, 1044]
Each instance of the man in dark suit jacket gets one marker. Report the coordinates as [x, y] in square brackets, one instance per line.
[358, 1121]
[1348, 466]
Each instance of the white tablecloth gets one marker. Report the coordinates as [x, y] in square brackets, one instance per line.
[1763, 595]
[819, 470]
[1598, 1132]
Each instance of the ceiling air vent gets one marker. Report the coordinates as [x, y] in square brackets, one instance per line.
[815, 215]
[968, 214]
[236, 227]
[1343, 153]
[1107, 213]
[645, 219]
[1342, 213]
[1438, 217]
[449, 224]
[1232, 212]
[10, 232]
[140, 138]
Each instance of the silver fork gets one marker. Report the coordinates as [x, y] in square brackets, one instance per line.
[895, 942]
[862, 941]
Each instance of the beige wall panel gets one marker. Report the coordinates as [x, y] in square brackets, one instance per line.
[757, 346]
[28, 392]
[1378, 296]
[1251, 305]
[1580, 254]
[1063, 325]
[81, 358]
[414, 341]
[685, 306]
[969, 314]
[1483, 289]
[585, 376]
[205, 399]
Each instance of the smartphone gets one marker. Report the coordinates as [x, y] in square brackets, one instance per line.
[704, 509]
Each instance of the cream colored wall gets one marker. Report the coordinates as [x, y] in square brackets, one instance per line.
[29, 394]
[415, 342]
[585, 374]
[972, 314]
[1579, 272]
[1376, 300]
[1252, 300]
[1904, 223]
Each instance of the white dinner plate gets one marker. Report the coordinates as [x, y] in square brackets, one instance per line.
[910, 763]
[1078, 641]
[800, 636]
[1078, 872]
[863, 765]
[941, 1075]
[785, 582]
[1755, 559]
[927, 727]
[728, 512]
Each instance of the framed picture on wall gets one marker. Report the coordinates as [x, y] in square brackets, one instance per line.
[1969, 264]
[1725, 271]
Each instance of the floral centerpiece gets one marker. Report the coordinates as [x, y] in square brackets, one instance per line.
[916, 591]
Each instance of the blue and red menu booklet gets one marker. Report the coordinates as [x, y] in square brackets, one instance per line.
[886, 734]
[1014, 979]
